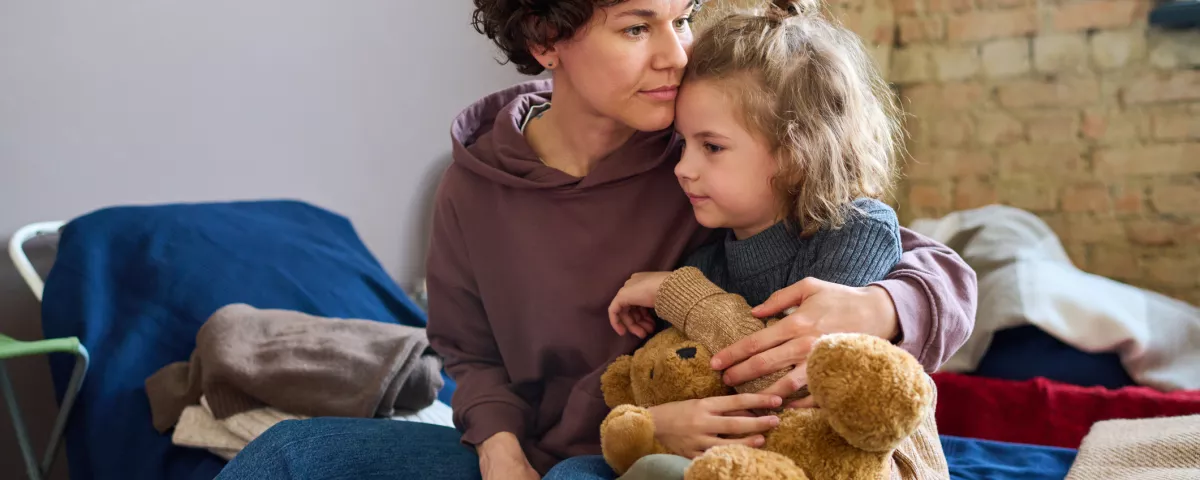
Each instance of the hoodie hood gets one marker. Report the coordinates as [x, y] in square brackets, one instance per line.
[488, 142]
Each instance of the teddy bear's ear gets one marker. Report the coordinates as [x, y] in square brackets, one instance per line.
[616, 383]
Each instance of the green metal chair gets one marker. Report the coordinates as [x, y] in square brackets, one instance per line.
[13, 348]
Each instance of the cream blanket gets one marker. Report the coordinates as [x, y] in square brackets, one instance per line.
[1165, 448]
[1025, 277]
[198, 428]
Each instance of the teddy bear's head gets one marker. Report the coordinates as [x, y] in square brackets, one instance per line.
[668, 368]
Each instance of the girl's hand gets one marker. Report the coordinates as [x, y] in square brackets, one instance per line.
[822, 307]
[630, 309]
[690, 427]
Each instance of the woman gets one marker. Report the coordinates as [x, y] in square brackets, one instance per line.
[546, 210]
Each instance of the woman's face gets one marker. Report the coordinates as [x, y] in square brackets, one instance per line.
[626, 64]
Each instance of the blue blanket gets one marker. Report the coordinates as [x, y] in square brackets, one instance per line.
[975, 459]
[135, 284]
[1026, 352]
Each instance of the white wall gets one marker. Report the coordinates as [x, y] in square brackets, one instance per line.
[346, 104]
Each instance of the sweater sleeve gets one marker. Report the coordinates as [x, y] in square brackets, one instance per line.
[484, 403]
[687, 299]
[710, 316]
[935, 293]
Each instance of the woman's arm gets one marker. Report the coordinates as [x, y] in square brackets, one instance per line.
[486, 410]
[934, 294]
[927, 301]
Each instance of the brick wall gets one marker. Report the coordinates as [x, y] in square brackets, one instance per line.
[1072, 109]
[873, 20]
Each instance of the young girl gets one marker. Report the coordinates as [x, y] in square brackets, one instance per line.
[790, 136]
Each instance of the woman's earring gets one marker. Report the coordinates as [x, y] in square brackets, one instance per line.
[550, 65]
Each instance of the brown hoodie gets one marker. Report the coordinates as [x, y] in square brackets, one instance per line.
[524, 260]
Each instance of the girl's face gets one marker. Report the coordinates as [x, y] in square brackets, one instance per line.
[725, 170]
[626, 64]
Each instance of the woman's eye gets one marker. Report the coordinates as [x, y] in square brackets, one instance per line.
[683, 23]
[636, 30]
[713, 148]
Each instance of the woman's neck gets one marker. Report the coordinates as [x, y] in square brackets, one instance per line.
[571, 138]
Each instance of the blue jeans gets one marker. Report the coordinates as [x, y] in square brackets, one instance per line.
[330, 448]
[588, 467]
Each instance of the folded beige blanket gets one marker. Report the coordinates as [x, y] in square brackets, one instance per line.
[1165, 448]
[198, 428]
[248, 358]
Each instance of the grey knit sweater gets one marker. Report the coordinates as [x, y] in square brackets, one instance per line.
[859, 253]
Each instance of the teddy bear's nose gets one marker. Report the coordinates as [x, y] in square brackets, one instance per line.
[686, 353]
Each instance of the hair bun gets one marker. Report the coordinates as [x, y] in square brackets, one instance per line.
[797, 8]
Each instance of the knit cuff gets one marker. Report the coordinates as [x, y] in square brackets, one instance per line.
[680, 292]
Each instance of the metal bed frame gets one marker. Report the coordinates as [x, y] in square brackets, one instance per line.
[13, 348]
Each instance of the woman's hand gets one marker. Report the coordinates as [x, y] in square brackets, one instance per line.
[822, 307]
[501, 458]
[630, 309]
[690, 427]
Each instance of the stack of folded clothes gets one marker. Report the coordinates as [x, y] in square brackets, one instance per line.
[253, 368]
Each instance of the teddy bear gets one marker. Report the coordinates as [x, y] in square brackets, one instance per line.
[871, 395]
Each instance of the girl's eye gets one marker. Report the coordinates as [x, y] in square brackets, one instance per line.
[713, 148]
[683, 23]
[636, 30]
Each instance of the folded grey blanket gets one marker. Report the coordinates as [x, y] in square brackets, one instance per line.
[248, 358]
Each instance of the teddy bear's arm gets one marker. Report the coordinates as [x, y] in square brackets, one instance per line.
[616, 383]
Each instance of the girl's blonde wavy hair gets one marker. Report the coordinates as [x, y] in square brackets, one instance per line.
[811, 88]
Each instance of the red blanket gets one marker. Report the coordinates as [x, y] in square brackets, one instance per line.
[1043, 412]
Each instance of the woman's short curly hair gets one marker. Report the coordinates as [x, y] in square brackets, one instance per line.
[515, 25]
